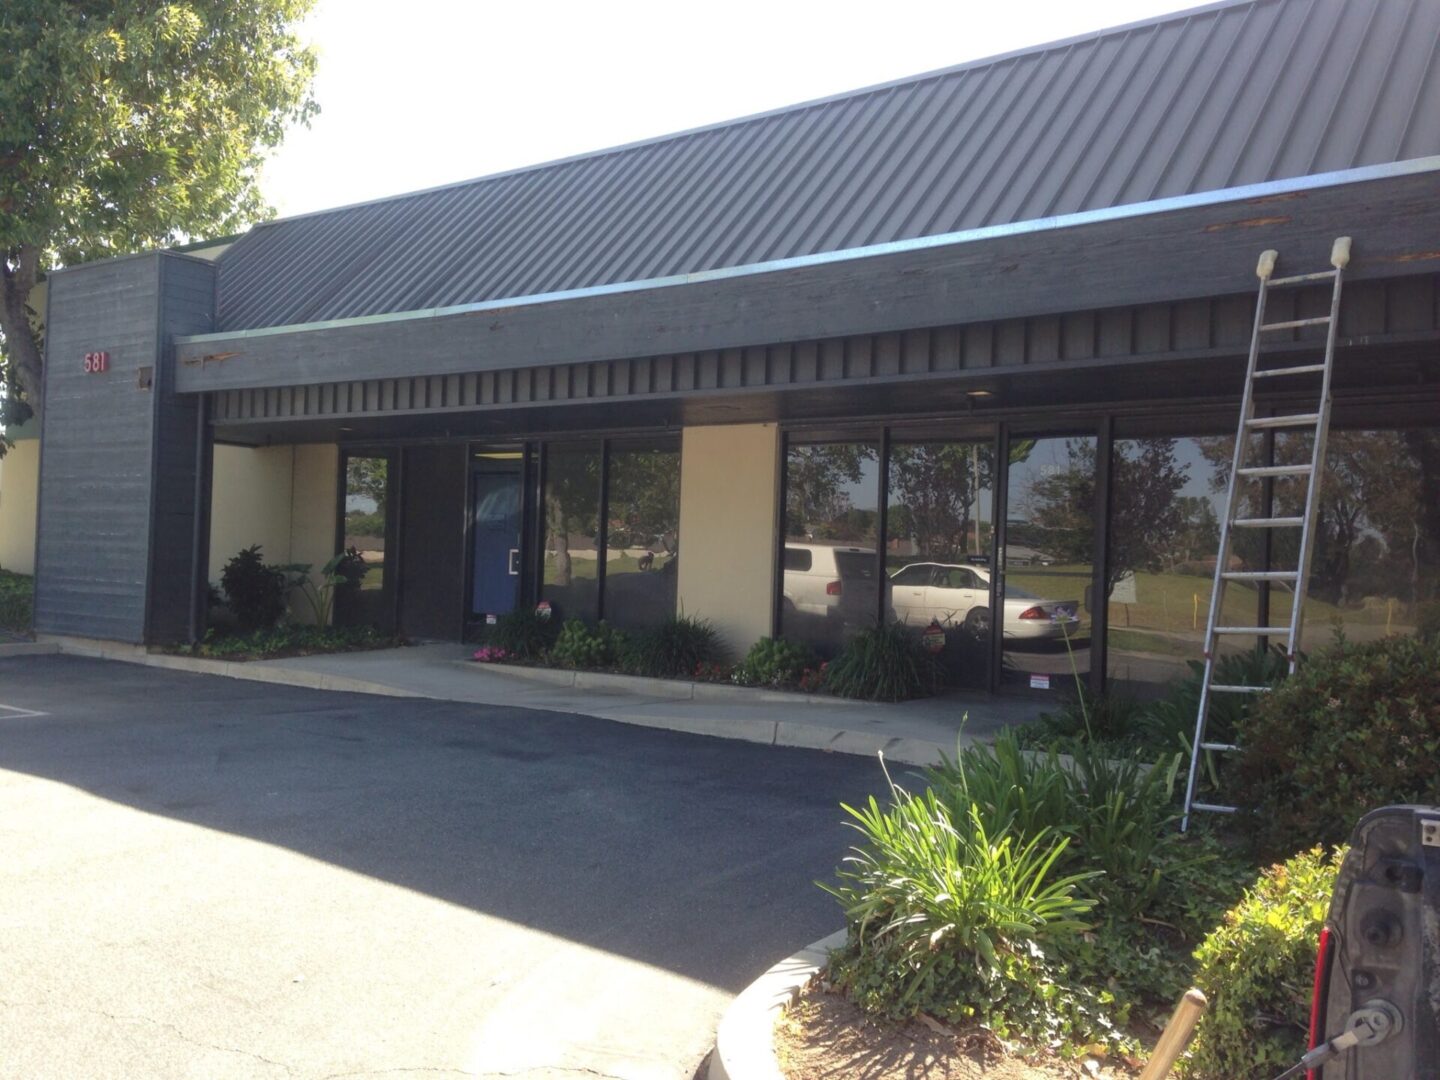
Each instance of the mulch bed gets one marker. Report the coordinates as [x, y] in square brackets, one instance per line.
[824, 1037]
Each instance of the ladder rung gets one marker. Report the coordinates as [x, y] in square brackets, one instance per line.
[1259, 631]
[1227, 688]
[1291, 324]
[1301, 279]
[1277, 470]
[1212, 808]
[1260, 575]
[1297, 420]
[1302, 369]
[1220, 747]
[1268, 523]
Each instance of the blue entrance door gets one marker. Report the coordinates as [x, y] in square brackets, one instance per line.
[497, 542]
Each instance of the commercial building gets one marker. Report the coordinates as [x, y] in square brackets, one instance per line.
[972, 342]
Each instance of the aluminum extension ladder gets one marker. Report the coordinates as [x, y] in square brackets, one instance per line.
[1318, 422]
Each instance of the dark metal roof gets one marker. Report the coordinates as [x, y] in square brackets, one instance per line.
[1219, 97]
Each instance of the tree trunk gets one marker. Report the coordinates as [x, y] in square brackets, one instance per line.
[18, 273]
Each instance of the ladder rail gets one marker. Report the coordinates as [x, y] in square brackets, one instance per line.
[1339, 259]
[1317, 475]
[1217, 587]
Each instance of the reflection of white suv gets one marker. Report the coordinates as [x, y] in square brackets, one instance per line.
[833, 581]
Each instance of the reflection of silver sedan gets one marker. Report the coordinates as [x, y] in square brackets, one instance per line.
[960, 595]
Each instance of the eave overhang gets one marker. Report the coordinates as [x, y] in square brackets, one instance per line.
[1170, 249]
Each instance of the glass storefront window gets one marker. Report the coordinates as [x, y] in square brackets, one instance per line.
[829, 585]
[365, 514]
[643, 538]
[1048, 560]
[939, 526]
[1167, 499]
[1375, 569]
[570, 581]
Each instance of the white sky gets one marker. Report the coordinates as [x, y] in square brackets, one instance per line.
[416, 93]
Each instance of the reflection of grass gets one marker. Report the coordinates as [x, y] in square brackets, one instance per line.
[585, 568]
[1139, 641]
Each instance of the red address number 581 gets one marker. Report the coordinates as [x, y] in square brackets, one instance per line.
[96, 362]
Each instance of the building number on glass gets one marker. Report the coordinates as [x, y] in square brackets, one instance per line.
[96, 362]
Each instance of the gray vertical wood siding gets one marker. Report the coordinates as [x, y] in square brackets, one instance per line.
[116, 493]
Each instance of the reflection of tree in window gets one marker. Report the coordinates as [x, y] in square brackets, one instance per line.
[644, 500]
[366, 479]
[933, 491]
[1377, 526]
[817, 504]
[1147, 509]
[572, 493]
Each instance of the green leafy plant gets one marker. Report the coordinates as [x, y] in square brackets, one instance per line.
[950, 916]
[254, 591]
[1257, 970]
[1170, 723]
[775, 662]
[291, 640]
[1356, 727]
[17, 601]
[674, 649]
[1112, 718]
[344, 569]
[523, 633]
[1157, 891]
[586, 648]
[882, 663]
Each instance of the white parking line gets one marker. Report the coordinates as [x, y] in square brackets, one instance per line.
[14, 712]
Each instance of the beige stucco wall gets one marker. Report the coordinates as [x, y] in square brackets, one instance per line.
[728, 509]
[280, 497]
[19, 482]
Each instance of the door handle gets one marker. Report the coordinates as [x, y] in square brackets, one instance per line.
[514, 562]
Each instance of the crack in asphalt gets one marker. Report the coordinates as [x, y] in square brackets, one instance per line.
[122, 1017]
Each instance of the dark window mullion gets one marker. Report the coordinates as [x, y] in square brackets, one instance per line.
[602, 530]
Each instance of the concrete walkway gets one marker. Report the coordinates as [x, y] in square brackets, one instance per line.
[915, 732]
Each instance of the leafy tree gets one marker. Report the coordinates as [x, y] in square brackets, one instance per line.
[1148, 516]
[368, 478]
[127, 126]
[815, 482]
[933, 488]
[1376, 524]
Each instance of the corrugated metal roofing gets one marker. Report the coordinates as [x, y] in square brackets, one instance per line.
[1214, 98]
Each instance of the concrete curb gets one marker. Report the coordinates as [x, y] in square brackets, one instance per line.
[677, 689]
[254, 671]
[28, 648]
[745, 1041]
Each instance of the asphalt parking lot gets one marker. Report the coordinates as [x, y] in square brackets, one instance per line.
[202, 877]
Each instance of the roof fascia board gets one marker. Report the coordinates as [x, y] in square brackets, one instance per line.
[1268, 190]
[1189, 253]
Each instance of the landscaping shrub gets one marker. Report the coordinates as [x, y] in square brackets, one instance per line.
[950, 917]
[775, 662]
[677, 648]
[1357, 726]
[254, 591]
[523, 634]
[583, 647]
[1257, 969]
[1427, 621]
[1112, 718]
[882, 663]
[1157, 891]
[17, 601]
[1170, 724]
[292, 640]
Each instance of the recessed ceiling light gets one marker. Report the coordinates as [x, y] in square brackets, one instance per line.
[979, 393]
